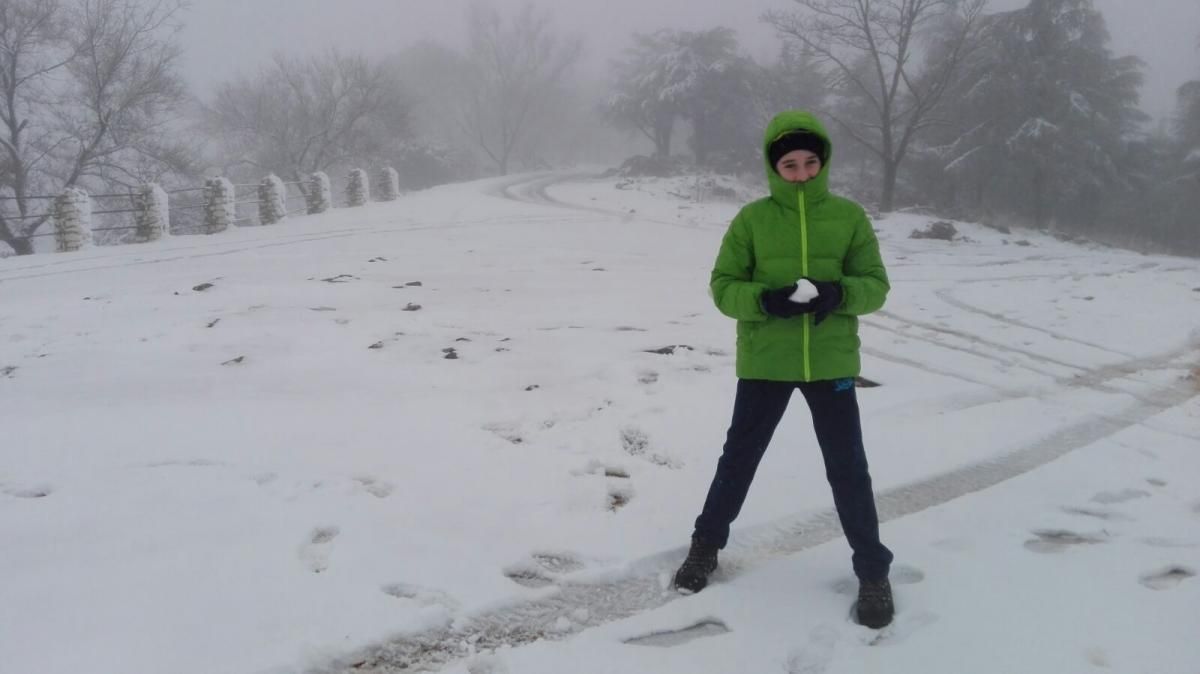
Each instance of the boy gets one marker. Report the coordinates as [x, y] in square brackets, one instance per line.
[796, 269]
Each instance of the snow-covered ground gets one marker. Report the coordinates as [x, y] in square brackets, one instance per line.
[440, 433]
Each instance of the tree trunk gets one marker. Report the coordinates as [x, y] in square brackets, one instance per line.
[20, 245]
[889, 186]
[1039, 206]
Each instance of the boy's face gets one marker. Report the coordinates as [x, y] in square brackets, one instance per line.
[798, 166]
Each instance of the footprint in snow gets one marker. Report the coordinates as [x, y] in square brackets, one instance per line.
[26, 491]
[558, 562]
[671, 638]
[1107, 515]
[375, 487]
[904, 626]
[315, 552]
[1113, 497]
[815, 656]
[619, 496]
[528, 575]
[1167, 578]
[507, 431]
[421, 596]
[635, 442]
[1059, 540]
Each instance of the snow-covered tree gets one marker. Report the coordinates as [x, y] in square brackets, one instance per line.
[1047, 113]
[646, 92]
[890, 95]
[87, 90]
[302, 115]
[514, 67]
[795, 81]
[700, 77]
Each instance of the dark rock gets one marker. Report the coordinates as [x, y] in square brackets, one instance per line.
[340, 278]
[213, 322]
[376, 345]
[669, 350]
[941, 230]
[202, 287]
[532, 387]
[235, 361]
[411, 307]
[414, 284]
[451, 354]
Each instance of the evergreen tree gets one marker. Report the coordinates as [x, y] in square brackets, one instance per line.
[700, 77]
[1047, 116]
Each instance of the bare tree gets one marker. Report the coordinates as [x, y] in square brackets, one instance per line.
[87, 91]
[300, 115]
[513, 67]
[872, 48]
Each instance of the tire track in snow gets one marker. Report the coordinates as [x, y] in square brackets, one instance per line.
[534, 190]
[945, 294]
[579, 606]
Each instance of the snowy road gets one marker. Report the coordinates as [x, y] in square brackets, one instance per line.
[468, 430]
[574, 607]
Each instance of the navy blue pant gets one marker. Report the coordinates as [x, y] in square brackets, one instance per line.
[756, 413]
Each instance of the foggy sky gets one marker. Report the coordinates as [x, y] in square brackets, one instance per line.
[224, 37]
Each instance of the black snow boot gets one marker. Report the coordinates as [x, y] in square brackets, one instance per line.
[875, 607]
[701, 561]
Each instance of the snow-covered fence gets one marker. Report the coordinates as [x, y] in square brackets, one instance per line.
[389, 184]
[72, 220]
[220, 210]
[152, 217]
[149, 213]
[319, 193]
[187, 208]
[358, 189]
[270, 200]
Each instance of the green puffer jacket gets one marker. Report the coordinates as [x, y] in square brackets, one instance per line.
[798, 231]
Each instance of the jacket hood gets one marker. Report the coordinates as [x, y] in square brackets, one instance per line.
[787, 194]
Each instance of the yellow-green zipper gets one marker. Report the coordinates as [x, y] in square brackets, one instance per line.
[804, 273]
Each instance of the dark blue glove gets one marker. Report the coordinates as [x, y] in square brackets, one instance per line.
[828, 299]
[775, 303]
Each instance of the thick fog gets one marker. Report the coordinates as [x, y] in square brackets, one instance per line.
[225, 36]
[1076, 116]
